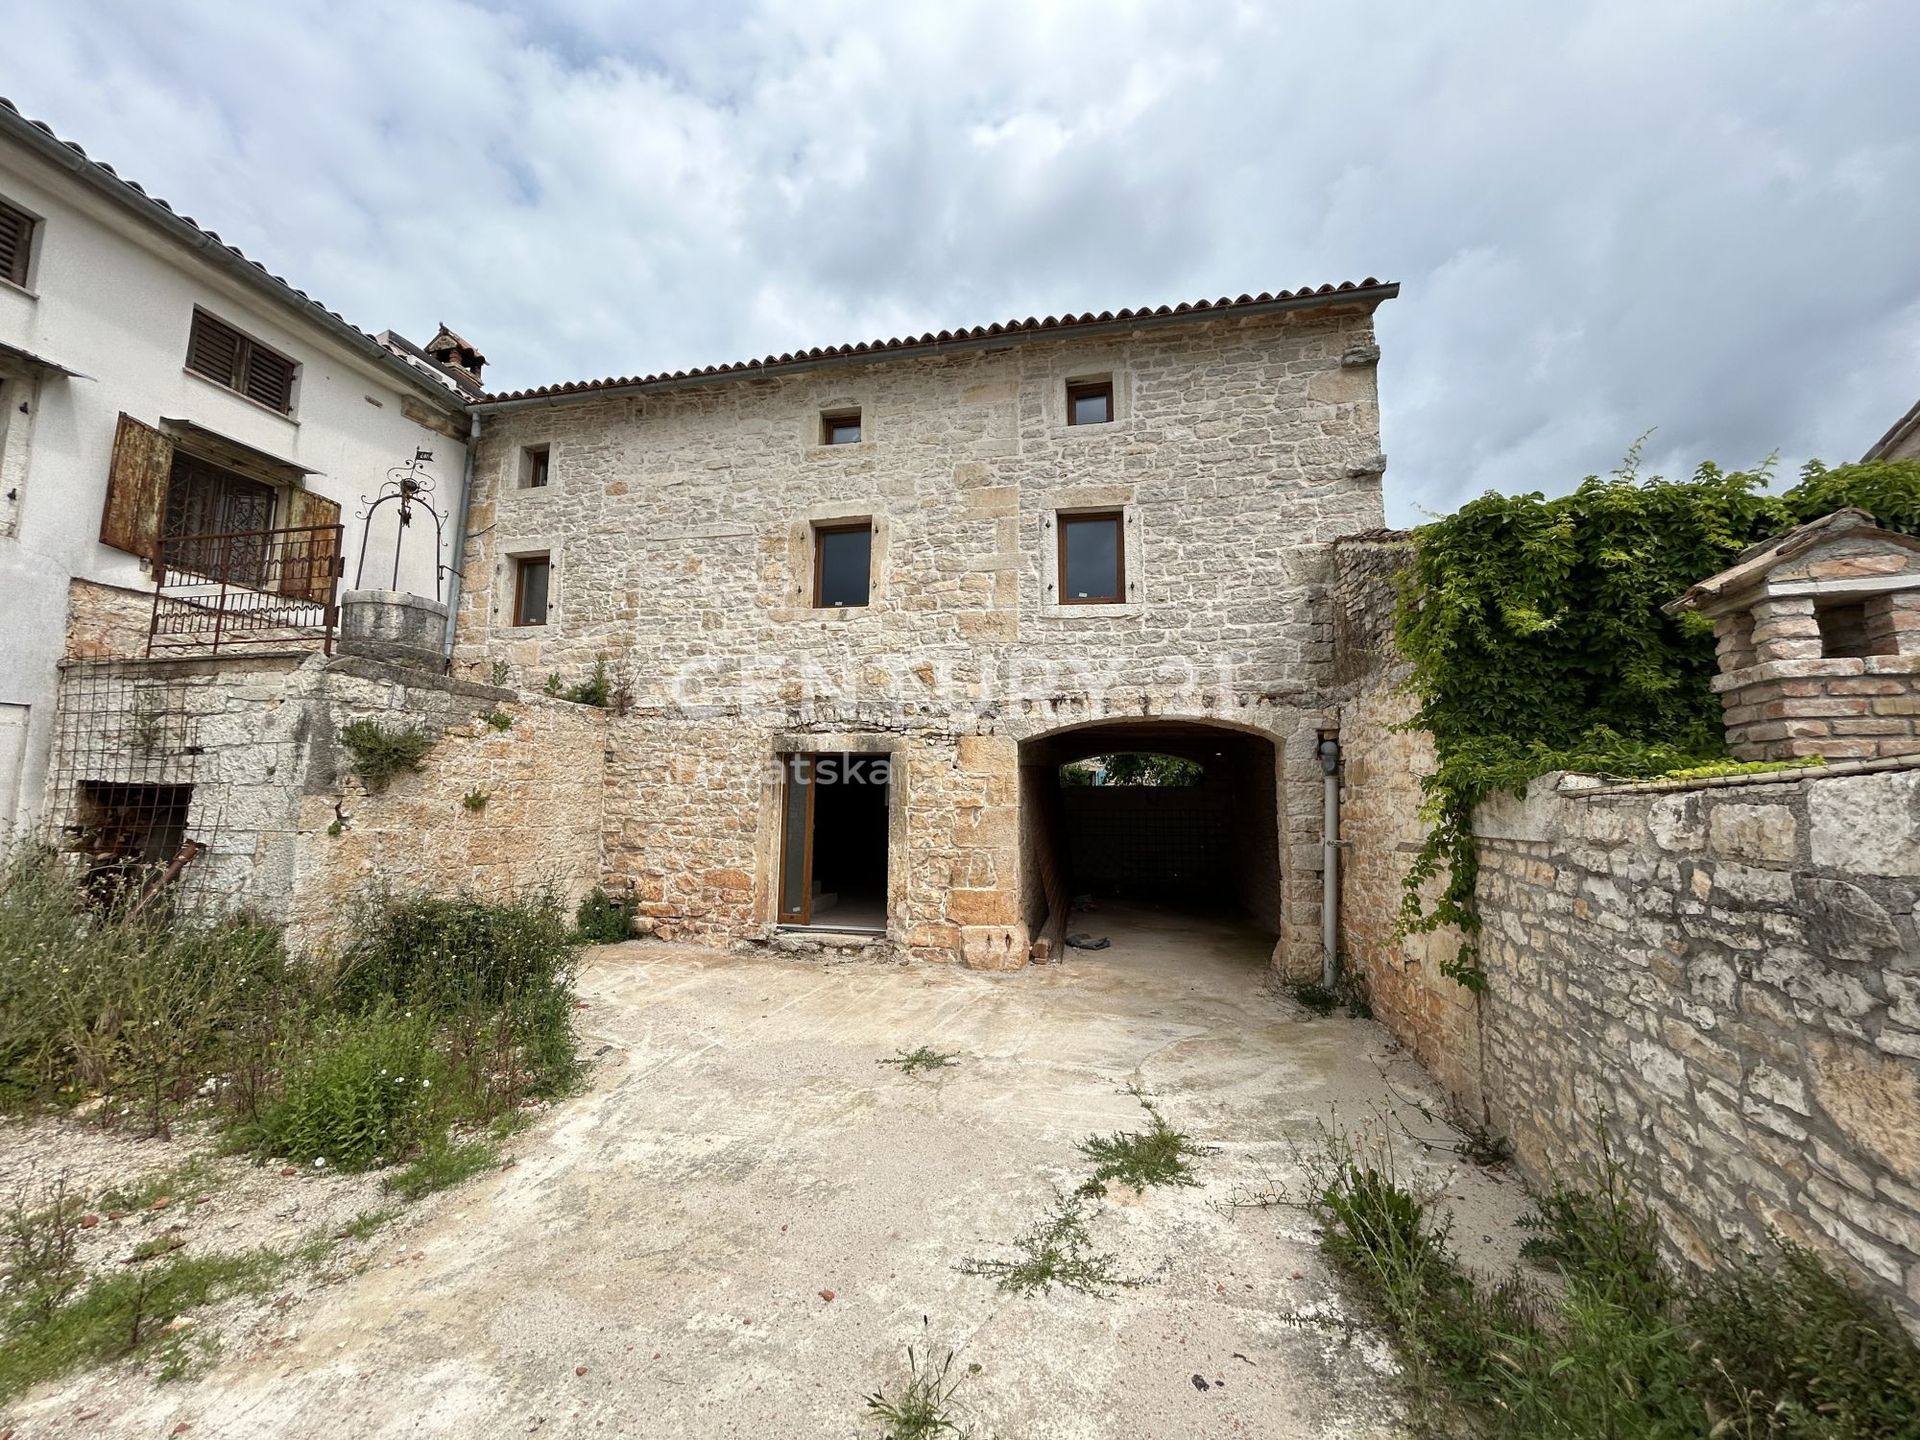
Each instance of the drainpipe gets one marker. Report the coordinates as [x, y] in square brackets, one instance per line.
[1329, 752]
[460, 538]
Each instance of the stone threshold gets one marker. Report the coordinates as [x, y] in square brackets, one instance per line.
[1582, 787]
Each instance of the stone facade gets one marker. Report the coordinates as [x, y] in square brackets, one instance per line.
[290, 833]
[678, 523]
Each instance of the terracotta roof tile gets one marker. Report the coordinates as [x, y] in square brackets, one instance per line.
[1369, 291]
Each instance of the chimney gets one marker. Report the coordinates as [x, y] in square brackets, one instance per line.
[455, 353]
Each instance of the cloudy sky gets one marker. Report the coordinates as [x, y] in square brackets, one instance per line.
[1699, 219]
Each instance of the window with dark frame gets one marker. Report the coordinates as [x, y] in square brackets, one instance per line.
[532, 578]
[16, 244]
[840, 427]
[539, 466]
[842, 565]
[1090, 402]
[216, 522]
[1093, 565]
[221, 353]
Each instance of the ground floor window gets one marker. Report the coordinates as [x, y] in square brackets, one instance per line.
[833, 840]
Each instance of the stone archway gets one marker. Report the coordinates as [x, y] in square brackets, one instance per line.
[1264, 802]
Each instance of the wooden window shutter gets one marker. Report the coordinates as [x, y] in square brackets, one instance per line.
[312, 559]
[214, 350]
[269, 378]
[136, 488]
[16, 243]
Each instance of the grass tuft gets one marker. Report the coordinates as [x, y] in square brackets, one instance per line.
[923, 1409]
[1769, 1346]
[125, 1314]
[442, 1165]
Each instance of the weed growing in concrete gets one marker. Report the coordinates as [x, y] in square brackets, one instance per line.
[1315, 997]
[1057, 1250]
[443, 1164]
[921, 1058]
[1348, 991]
[923, 1409]
[1773, 1345]
[1158, 1155]
[498, 719]
[379, 754]
[499, 670]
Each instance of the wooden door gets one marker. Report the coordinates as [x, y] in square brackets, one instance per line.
[796, 840]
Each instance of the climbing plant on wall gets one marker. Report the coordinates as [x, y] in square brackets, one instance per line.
[1537, 640]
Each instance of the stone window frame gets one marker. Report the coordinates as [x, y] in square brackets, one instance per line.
[506, 584]
[814, 439]
[524, 465]
[1132, 566]
[798, 603]
[1067, 377]
[837, 417]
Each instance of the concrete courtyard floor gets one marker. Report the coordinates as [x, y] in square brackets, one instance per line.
[657, 1261]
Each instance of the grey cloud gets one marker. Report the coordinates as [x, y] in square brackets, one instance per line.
[1608, 218]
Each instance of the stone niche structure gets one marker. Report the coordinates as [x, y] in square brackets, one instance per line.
[1819, 642]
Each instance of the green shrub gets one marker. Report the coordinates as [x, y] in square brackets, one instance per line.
[379, 753]
[603, 920]
[360, 1095]
[1768, 1346]
[137, 1009]
[596, 689]
[496, 978]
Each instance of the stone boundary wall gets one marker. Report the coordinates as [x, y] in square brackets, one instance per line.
[1728, 979]
[257, 738]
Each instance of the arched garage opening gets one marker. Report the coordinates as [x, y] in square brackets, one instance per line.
[1148, 817]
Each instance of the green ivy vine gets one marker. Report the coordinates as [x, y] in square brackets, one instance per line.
[1537, 640]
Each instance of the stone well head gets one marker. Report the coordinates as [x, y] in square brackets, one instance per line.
[1819, 642]
[391, 626]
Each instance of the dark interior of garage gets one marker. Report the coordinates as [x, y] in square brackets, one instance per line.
[1212, 845]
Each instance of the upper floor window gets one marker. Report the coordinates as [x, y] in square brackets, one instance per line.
[840, 427]
[1089, 402]
[536, 465]
[1093, 567]
[842, 564]
[532, 577]
[16, 244]
[221, 353]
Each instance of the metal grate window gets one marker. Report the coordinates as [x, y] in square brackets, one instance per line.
[225, 356]
[16, 243]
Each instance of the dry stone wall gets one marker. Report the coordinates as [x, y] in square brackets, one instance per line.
[291, 833]
[1728, 979]
[678, 526]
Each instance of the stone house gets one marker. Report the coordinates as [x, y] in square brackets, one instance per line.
[858, 606]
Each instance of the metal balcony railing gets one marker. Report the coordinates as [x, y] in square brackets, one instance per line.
[247, 589]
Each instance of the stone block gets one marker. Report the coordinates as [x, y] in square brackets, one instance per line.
[1753, 832]
[1866, 824]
